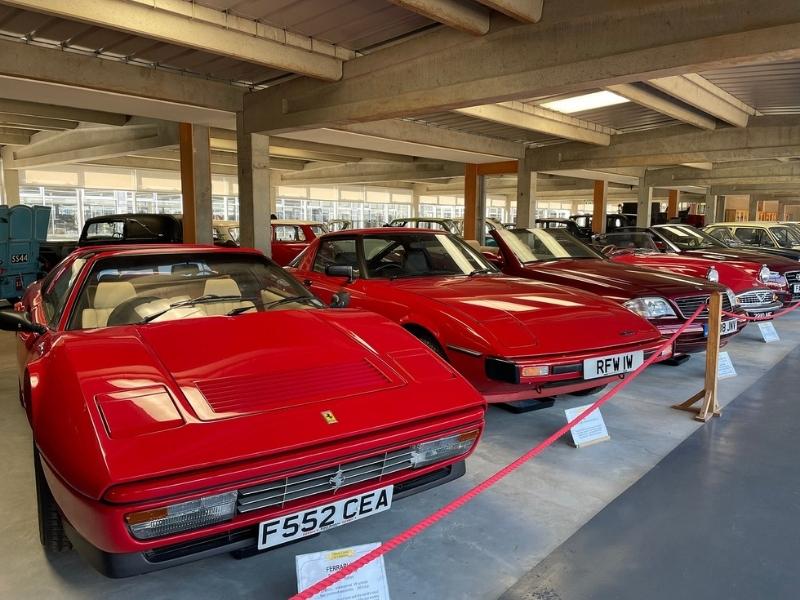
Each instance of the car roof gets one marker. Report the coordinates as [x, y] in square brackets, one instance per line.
[141, 249]
[750, 224]
[384, 230]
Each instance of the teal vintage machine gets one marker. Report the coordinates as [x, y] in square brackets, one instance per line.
[22, 230]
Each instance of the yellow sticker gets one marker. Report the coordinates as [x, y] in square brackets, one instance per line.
[341, 554]
[329, 417]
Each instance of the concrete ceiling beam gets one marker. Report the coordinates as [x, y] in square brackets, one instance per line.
[541, 120]
[193, 26]
[13, 136]
[93, 143]
[649, 99]
[438, 137]
[15, 121]
[703, 98]
[570, 51]
[60, 113]
[739, 173]
[458, 14]
[766, 137]
[366, 172]
[527, 11]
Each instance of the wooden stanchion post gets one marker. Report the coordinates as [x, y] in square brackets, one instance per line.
[709, 407]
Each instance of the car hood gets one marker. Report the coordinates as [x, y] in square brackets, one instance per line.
[167, 398]
[616, 281]
[521, 317]
[745, 256]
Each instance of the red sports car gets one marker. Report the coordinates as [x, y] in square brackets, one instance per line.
[188, 400]
[747, 279]
[665, 299]
[513, 338]
[290, 238]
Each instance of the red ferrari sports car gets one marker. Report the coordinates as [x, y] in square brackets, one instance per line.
[183, 404]
[513, 338]
[665, 299]
[748, 279]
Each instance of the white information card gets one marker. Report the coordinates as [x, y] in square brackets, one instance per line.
[589, 431]
[725, 366]
[768, 332]
[368, 583]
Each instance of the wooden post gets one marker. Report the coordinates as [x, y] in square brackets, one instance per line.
[710, 407]
[600, 202]
[672, 204]
[470, 201]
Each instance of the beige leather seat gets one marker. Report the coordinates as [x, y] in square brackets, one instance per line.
[107, 297]
[224, 287]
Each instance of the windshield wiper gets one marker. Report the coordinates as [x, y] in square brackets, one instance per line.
[206, 298]
[282, 301]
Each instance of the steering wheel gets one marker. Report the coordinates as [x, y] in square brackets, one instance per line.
[125, 313]
[387, 266]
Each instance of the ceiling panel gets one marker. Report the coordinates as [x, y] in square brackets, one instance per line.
[772, 88]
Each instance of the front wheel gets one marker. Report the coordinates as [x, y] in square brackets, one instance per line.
[590, 391]
[51, 524]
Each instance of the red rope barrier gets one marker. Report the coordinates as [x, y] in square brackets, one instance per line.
[483, 486]
[756, 319]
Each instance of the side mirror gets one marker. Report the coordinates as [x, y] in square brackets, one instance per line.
[340, 300]
[17, 321]
[341, 271]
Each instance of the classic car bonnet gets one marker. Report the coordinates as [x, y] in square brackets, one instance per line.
[196, 393]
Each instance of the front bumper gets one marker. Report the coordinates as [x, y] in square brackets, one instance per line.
[695, 337]
[127, 564]
[764, 312]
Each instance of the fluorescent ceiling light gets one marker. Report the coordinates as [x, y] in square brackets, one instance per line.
[585, 102]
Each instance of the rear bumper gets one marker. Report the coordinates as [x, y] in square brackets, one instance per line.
[243, 540]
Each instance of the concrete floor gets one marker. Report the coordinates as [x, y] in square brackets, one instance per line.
[478, 552]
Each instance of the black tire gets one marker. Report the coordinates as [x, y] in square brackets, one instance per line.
[430, 342]
[51, 526]
[590, 391]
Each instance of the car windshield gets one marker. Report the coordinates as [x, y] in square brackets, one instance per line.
[785, 236]
[688, 238]
[143, 288]
[534, 245]
[724, 235]
[420, 255]
[638, 242]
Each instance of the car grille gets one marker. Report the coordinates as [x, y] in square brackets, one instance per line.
[689, 304]
[276, 494]
[756, 298]
[793, 278]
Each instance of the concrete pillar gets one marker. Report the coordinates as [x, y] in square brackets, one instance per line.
[711, 208]
[416, 191]
[600, 204]
[9, 186]
[645, 203]
[526, 195]
[273, 199]
[254, 188]
[195, 153]
[753, 208]
[672, 204]
[471, 193]
[781, 210]
[720, 209]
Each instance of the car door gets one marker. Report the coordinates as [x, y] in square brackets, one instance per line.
[287, 242]
[332, 251]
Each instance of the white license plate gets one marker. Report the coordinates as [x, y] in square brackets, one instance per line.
[615, 364]
[763, 316]
[321, 518]
[796, 288]
[727, 327]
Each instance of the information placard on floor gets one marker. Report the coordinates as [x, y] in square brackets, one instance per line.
[768, 332]
[589, 431]
[368, 583]
[725, 366]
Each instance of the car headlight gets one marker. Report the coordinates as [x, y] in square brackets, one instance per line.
[763, 274]
[712, 275]
[184, 516]
[650, 307]
[427, 453]
[773, 277]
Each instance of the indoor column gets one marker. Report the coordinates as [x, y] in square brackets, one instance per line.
[645, 202]
[672, 204]
[471, 201]
[254, 188]
[195, 153]
[9, 184]
[711, 209]
[600, 204]
[753, 208]
[526, 194]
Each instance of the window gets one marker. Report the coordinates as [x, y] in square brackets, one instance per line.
[753, 236]
[416, 255]
[105, 230]
[336, 252]
[786, 237]
[55, 292]
[287, 233]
